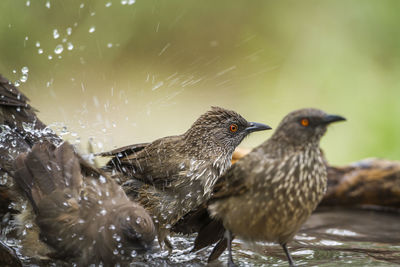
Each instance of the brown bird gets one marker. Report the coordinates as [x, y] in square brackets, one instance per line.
[82, 215]
[268, 194]
[174, 175]
[20, 129]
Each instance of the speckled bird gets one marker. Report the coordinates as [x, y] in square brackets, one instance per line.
[84, 217]
[269, 194]
[173, 175]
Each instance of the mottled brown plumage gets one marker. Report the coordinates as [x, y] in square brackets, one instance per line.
[173, 175]
[84, 219]
[268, 194]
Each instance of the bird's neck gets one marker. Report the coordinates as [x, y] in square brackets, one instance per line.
[279, 147]
[203, 146]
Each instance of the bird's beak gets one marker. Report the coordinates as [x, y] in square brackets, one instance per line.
[255, 126]
[332, 118]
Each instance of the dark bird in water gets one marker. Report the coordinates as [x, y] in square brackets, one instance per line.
[84, 216]
[268, 194]
[174, 175]
[81, 214]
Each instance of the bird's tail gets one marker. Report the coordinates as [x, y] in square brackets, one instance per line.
[47, 168]
[209, 231]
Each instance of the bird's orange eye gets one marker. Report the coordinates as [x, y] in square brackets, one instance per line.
[233, 128]
[305, 122]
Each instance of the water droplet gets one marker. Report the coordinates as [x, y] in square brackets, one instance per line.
[55, 34]
[117, 237]
[24, 78]
[138, 220]
[124, 2]
[3, 179]
[115, 252]
[59, 48]
[50, 57]
[26, 38]
[102, 179]
[70, 46]
[92, 14]
[111, 227]
[131, 2]
[28, 3]
[133, 253]
[81, 221]
[40, 51]
[92, 29]
[108, 4]
[158, 85]
[109, 45]
[82, 5]
[48, 4]
[103, 212]
[25, 70]
[37, 44]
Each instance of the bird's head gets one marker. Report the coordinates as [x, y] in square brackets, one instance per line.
[304, 126]
[222, 127]
[136, 226]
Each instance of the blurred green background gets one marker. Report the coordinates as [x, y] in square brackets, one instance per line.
[123, 72]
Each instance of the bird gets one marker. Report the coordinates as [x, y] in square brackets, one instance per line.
[268, 194]
[85, 217]
[173, 175]
[68, 197]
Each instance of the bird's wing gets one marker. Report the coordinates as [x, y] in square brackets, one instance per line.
[242, 175]
[123, 151]
[153, 164]
[46, 169]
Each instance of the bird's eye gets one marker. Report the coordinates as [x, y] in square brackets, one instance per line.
[305, 122]
[233, 128]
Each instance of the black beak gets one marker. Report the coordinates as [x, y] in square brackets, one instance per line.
[332, 118]
[255, 126]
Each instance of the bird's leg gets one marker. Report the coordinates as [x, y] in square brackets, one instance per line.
[228, 236]
[289, 257]
[168, 244]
